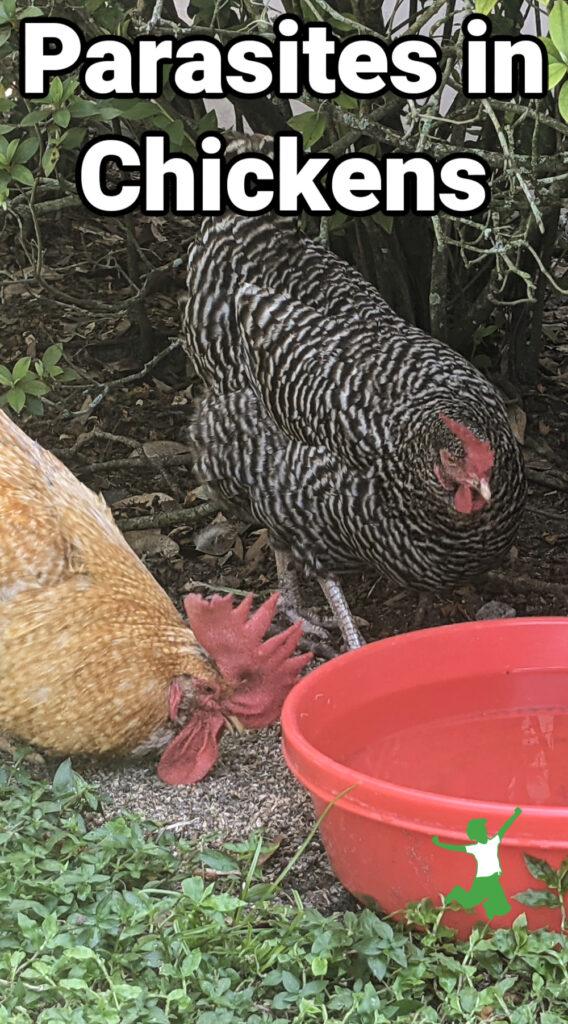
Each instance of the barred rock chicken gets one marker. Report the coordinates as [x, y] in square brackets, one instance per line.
[355, 437]
[94, 658]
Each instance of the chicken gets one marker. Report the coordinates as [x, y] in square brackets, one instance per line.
[357, 439]
[94, 658]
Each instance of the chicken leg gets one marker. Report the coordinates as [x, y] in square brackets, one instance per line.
[291, 596]
[342, 614]
[291, 601]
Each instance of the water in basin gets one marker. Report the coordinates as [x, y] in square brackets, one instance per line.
[510, 746]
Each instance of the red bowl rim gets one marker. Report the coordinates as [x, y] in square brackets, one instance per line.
[419, 810]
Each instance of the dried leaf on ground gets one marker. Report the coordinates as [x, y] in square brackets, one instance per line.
[518, 421]
[217, 538]
[152, 542]
[257, 549]
[159, 449]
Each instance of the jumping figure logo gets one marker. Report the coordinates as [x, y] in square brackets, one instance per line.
[487, 888]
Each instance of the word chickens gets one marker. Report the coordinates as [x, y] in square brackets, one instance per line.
[94, 658]
[357, 439]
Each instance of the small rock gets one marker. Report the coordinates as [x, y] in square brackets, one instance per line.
[495, 610]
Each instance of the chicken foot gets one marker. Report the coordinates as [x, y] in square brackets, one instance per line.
[338, 604]
[291, 603]
[291, 597]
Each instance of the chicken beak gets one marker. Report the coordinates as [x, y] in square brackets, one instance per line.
[485, 490]
[234, 724]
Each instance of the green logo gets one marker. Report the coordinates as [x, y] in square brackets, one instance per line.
[487, 888]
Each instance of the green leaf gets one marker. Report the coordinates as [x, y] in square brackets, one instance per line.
[558, 27]
[52, 356]
[137, 110]
[550, 48]
[563, 102]
[75, 984]
[290, 982]
[542, 871]
[35, 117]
[11, 150]
[17, 399]
[384, 221]
[194, 888]
[83, 108]
[336, 222]
[537, 898]
[73, 138]
[22, 174]
[319, 966]
[55, 94]
[468, 1000]
[62, 118]
[485, 6]
[207, 123]
[191, 962]
[49, 159]
[311, 126]
[70, 87]
[176, 132]
[346, 102]
[320, 10]
[65, 780]
[66, 375]
[34, 405]
[7, 10]
[21, 368]
[80, 952]
[220, 862]
[35, 387]
[26, 149]
[5, 376]
[94, 108]
[556, 73]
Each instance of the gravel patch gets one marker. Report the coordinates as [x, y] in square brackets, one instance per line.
[250, 789]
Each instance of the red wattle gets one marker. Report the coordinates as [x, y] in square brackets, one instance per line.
[463, 499]
[193, 752]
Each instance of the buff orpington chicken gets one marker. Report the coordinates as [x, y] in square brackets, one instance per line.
[94, 657]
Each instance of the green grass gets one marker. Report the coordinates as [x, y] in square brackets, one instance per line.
[121, 924]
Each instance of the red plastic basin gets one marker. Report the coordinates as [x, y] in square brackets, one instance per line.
[432, 729]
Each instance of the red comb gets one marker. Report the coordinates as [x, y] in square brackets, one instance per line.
[263, 670]
[479, 454]
[257, 675]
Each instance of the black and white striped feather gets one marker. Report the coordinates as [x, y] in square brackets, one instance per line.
[321, 411]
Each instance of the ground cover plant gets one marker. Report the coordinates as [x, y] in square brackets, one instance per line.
[114, 921]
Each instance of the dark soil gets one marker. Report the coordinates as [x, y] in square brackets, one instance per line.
[82, 296]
